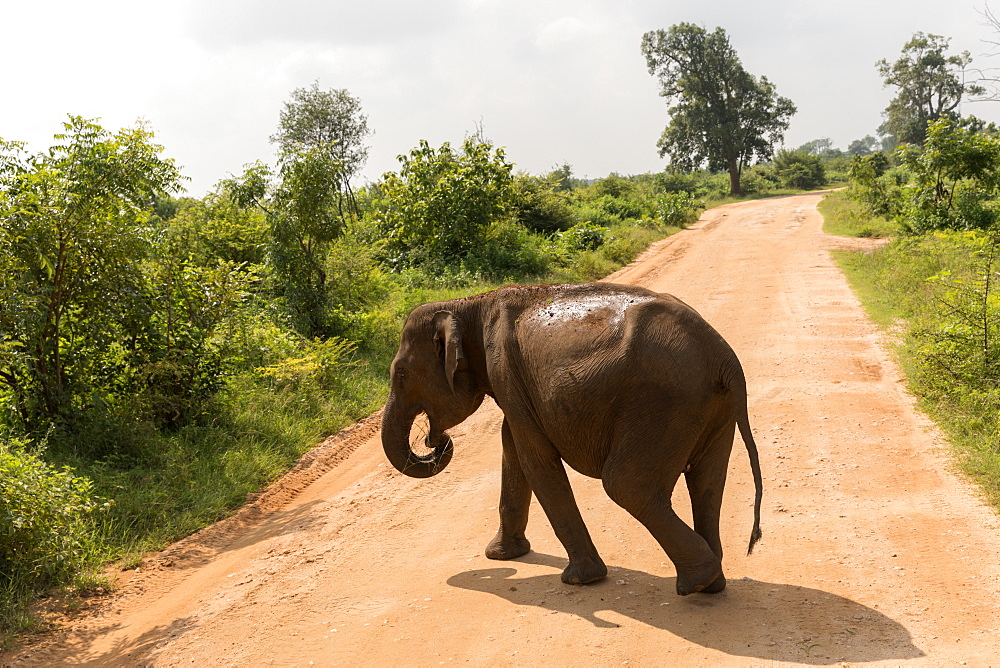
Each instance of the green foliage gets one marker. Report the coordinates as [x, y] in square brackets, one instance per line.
[676, 209]
[172, 366]
[581, 237]
[961, 347]
[821, 146]
[877, 189]
[218, 228]
[307, 206]
[930, 86]
[441, 202]
[846, 216]
[798, 169]
[43, 521]
[954, 176]
[864, 146]
[541, 205]
[331, 121]
[939, 289]
[722, 115]
[75, 228]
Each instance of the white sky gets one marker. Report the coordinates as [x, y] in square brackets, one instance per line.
[553, 81]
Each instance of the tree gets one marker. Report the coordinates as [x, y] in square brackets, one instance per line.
[75, 230]
[956, 174]
[332, 118]
[930, 86]
[438, 206]
[822, 146]
[304, 204]
[329, 120]
[863, 146]
[721, 114]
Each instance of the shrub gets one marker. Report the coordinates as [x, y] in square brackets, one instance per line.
[798, 169]
[620, 207]
[759, 179]
[507, 251]
[540, 207]
[43, 514]
[677, 209]
[582, 237]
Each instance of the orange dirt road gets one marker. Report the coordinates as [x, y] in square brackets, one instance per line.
[873, 552]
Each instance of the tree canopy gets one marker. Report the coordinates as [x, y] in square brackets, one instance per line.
[329, 118]
[722, 116]
[930, 86]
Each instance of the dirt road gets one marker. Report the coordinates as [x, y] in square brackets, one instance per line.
[872, 550]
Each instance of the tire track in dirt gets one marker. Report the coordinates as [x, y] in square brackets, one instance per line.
[873, 550]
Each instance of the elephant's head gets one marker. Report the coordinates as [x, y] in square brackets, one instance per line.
[431, 375]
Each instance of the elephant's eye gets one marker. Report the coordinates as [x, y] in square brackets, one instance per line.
[400, 373]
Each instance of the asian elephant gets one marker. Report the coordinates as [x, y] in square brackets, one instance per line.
[623, 384]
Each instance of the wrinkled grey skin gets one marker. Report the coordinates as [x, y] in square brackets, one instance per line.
[622, 384]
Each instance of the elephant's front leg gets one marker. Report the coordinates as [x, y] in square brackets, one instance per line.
[515, 497]
[543, 469]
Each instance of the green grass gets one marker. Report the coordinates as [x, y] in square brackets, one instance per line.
[845, 217]
[921, 317]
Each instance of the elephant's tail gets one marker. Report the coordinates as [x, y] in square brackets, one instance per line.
[739, 389]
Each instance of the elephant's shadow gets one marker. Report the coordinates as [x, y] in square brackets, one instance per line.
[765, 620]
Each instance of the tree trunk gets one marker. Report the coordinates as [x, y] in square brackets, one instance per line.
[735, 188]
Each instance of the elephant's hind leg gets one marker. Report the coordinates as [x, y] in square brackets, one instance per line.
[643, 487]
[706, 481]
[515, 498]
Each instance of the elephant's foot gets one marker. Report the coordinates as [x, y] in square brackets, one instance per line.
[505, 547]
[707, 578]
[584, 571]
[718, 584]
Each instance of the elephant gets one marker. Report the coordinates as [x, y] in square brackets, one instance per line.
[623, 384]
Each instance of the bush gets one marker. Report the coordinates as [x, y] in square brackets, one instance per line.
[677, 209]
[676, 183]
[798, 169]
[539, 207]
[507, 251]
[43, 514]
[582, 237]
[619, 207]
[759, 179]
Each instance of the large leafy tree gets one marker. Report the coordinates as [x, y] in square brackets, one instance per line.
[930, 85]
[304, 206]
[75, 229]
[330, 121]
[721, 115]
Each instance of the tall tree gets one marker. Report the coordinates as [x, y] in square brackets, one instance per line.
[930, 86]
[328, 118]
[75, 227]
[722, 115]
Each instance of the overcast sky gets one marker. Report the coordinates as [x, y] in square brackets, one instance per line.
[553, 81]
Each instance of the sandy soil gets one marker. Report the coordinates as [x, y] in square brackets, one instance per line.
[872, 552]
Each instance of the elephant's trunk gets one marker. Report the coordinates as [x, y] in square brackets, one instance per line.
[396, 443]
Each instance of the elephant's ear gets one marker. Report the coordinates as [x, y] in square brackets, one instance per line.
[448, 341]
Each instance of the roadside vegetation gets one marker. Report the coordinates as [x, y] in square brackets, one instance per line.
[934, 285]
